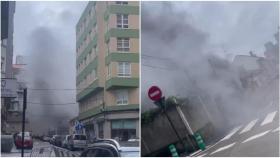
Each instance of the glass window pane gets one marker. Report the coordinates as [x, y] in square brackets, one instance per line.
[129, 124]
[117, 124]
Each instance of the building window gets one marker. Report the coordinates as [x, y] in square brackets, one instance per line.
[2, 64]
[123, 44]
[123, 129]
[122, 97]
[94, 74]
[124, 69]
[122, 20]
[121, 2]
[108, 70]
[85, 60]
[100, 130]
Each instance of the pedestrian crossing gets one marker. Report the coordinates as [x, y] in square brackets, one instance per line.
[269, 118]
[277, 129]
[223, 148]
[246, 128]
[249, 126]
[256, 136]
[231, 133]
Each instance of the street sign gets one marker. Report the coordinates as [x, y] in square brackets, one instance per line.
[155, 93]
[8, 88]
[79, 127]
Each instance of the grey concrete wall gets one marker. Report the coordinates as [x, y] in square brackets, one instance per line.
[159, 133]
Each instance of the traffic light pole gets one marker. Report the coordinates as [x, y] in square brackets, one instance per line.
[187, 125]
[23, 120]
[173, 127]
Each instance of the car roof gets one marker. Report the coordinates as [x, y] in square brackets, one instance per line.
[79, 134]
[108, 141]
[103, 145]
[129, 148]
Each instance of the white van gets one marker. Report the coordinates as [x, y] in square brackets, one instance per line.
[77, 141]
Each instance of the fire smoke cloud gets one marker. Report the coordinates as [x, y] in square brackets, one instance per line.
[178, 45]
[49, 67]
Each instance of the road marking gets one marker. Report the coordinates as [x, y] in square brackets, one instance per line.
[207, 148]
[269, 118]
[196, 152]
[277, 129]
[249, 126]
[231, 133]
[256, 136]
[223, 148]
[202, 155]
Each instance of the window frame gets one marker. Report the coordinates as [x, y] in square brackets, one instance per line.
[121, 44]
[122, 97]
[121, 3]
[121, 18]
[122, 69]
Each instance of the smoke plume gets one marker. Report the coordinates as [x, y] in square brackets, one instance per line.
[175, 57]
[50, 69]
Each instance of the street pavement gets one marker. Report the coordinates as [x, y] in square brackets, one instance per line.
[258, 137]
[37, 145]
[17, 152]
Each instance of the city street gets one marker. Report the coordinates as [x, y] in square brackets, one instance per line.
[17, 152]
[37, 146]
[258, 137]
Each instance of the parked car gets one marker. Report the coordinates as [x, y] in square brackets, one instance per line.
[77, 141]
[101, 150]
[66, 140]
[52, 140]
[46, 139]
[28, 141]
[57, 140]
[110, 148]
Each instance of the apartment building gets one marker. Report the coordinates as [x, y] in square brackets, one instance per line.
[7, 30]
[108, 69]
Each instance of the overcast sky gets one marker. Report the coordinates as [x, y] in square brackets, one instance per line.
[230, 24]
[61, 17]
[236, 27]
[186, 33]
[229, 27]
[45, 33]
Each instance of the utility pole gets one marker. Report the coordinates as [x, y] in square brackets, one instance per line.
[23, 119]
[174, 129]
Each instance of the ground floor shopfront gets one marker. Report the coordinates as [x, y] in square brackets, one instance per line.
[116, 124]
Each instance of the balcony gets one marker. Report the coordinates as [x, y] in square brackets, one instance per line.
[91, 24]
[121, 82]
[92, 44]
[90, 113]
[121, 9]
[91, 89]
[99, 110]
[117, 32]
[87, 70]
[119, 56]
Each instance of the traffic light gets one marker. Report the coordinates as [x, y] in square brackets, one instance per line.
[173, 150]
[199, 141]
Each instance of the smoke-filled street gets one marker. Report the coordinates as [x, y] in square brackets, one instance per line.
[210, 81]
[258, 137]
[66, 88]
